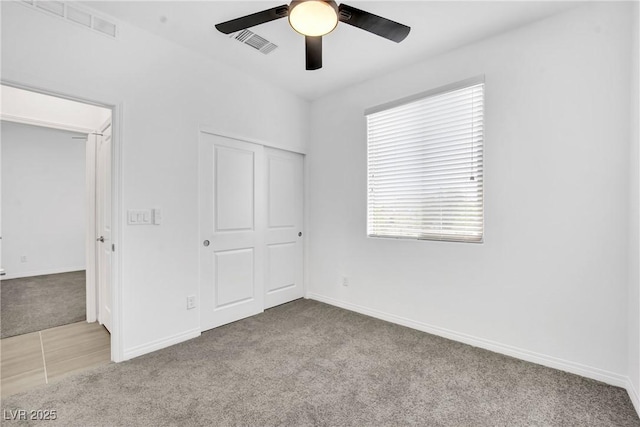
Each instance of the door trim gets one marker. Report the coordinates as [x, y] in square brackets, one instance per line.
[117, 117]
[213, 131]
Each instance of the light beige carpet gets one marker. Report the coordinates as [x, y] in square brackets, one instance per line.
[310, 364]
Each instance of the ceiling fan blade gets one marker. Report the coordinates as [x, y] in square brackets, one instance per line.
[313, 52]
[252, 20]
[375, 24]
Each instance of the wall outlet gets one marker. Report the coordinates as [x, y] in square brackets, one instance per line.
[344, 280]
[23, 258]
[191, 302]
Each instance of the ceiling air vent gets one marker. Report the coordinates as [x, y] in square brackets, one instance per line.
[56, 7]
[255, 41]
[104, 27]
[78, 16]
[75, 14]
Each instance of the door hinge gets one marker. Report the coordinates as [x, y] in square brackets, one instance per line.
[113, 247]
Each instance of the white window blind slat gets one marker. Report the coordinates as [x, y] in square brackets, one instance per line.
[425, 167]
[435, 159]
[436, 113]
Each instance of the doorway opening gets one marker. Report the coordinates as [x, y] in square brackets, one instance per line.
[56, 241]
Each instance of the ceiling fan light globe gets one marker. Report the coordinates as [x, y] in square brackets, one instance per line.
[313, 17]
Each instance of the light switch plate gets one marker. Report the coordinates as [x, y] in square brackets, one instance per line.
[139, 217]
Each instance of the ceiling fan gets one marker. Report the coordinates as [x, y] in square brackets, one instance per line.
[316, 18]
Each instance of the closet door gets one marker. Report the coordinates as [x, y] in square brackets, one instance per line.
[283, 236]
[232, 228]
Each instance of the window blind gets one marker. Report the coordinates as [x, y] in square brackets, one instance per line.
[425, 167]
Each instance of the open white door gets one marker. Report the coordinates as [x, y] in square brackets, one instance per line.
[232, 223]
[104, 248]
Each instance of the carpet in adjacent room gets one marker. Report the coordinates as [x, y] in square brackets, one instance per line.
[36, 303]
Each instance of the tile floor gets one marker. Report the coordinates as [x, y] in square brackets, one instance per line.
[38, 358]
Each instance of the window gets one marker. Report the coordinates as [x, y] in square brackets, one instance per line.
[425, 165]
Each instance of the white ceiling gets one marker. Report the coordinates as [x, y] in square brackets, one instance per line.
[350, 54]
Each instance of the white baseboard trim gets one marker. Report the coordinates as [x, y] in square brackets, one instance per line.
[519, 353]
[633, 395]
[139, 350]
[41, 272]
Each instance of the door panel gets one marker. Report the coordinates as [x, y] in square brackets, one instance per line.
[282, 191]
[284, 270]
[234, 189]
[232, 221]
[281, 272]
[234, 277]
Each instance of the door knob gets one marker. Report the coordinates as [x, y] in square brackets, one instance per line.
[205, 243]
[100, 239]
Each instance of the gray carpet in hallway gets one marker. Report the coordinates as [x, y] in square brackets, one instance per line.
[41, 302]
[310, 364]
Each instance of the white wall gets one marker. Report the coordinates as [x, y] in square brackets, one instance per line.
[549, 283]
[166, 92]
[634, 217]
[23, 106]
[43, 200]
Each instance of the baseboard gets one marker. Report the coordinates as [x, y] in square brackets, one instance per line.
[9, 276]
[633, 395]
[519, 353]
[160, 344]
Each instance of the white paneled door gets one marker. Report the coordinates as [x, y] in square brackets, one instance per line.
[232, 230]
[104, 247]
[250, 251]
[284, 251]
